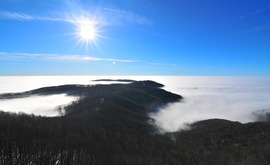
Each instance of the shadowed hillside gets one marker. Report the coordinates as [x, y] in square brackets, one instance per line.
[110, 125]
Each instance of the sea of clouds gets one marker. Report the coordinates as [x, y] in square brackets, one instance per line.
[231, 98]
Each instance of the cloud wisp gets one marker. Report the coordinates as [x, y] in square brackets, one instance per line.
[102, 16]
[18, 16]
[117, 16]
[255, 12]
[255, 29]
[58, 57]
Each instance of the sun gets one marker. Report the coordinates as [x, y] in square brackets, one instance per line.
[87, 30]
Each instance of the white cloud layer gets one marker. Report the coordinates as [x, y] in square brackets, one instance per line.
[38, 105]
[231, 98]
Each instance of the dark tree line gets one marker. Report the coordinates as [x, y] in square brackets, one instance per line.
[28, 139]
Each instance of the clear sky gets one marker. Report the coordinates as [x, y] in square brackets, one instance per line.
[135, 37]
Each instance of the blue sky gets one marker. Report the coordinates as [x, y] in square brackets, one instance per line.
[135, 37]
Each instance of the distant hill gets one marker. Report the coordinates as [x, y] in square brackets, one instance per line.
[110, 125]
[114, 80]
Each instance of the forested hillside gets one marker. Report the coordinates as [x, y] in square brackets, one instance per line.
[110, 125]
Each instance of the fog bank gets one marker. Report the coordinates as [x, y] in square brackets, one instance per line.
[228, 98]
[38, 105]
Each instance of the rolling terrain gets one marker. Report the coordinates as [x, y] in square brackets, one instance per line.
[109, 124]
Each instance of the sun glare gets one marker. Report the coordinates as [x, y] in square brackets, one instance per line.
[87, 31]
